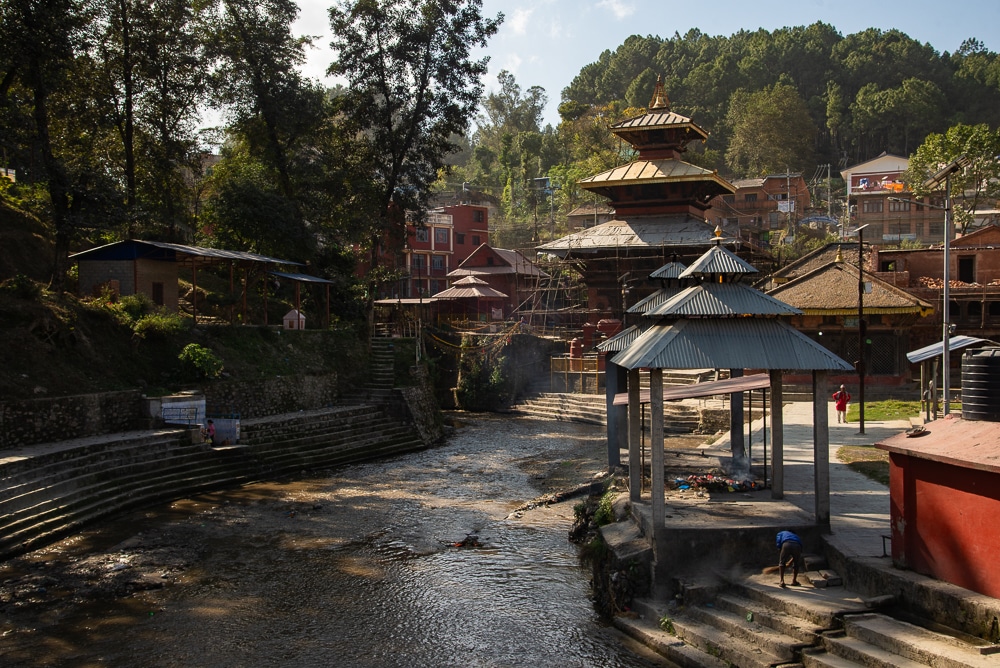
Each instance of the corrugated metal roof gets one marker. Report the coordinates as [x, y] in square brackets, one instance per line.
[731, 343]
[658, 119]
[302, 278]
[470, 287]
[514, 263]
[722, 300]
[652, 301]
[621, 340]
[669, 270]
[653, 171]
[718, 260]
[757, 381]
[936, 348]
[136, 248]
[965, 443]
[636, 232]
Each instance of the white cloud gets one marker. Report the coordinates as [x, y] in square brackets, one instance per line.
[619, 8]
[518, 21]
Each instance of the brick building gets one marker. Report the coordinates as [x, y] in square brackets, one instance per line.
[761, 207]
[878, 198]
[449, 235]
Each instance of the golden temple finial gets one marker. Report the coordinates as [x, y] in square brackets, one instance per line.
[659, 99]
[840, 256]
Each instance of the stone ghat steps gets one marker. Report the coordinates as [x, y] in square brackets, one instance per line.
[71, 486]
[753, 624]
[592, 409]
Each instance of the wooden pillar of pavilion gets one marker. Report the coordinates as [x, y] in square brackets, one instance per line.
[777, 437]
[634, 437]
[656, 463]
[821, 448]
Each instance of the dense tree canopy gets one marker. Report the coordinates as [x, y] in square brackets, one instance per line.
[866, 93]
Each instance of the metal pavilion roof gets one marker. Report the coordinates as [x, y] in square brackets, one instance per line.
[730, 343]
[652, 301]
[644, 232]
[304, 278]
[718, 260]
[470, 287]
[669, 270]
[134, 249]
[621, 340]
[937, 348]
[721, 300]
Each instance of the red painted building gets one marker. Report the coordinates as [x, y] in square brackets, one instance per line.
[507, 271]
[944, 492]
[431, 251]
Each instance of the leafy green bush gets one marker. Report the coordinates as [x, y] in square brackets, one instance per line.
[201, 360]
[22, 287]
[605, 514]
[162, 324]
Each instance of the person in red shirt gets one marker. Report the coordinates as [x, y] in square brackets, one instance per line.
[842, 398]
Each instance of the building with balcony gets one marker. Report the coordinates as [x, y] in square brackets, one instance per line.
[878, 198]
[448, 236]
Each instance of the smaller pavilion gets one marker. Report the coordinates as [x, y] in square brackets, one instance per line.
[715, 321]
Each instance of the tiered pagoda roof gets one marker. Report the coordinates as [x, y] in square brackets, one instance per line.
[659, 199]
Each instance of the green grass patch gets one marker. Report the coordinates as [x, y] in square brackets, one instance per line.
[866, 460]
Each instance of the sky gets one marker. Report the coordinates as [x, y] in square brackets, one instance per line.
[547, 42]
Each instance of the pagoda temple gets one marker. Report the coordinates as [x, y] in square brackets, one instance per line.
[659, 202]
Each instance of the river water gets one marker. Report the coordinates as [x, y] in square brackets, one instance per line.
[420, 560]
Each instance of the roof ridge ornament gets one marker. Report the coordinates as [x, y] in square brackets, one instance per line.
[659, 99]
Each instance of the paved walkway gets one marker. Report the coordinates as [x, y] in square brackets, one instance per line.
[859, 507]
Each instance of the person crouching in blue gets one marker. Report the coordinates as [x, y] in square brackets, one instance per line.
[790, 547]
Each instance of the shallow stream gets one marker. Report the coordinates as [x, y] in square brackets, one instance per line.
[420, 560]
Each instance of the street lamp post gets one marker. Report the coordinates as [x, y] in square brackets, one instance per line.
[956, 165]
[861, 330]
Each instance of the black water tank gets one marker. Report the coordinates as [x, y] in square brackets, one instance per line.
[981, 385]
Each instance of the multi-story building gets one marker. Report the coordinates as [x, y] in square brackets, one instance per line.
[448, 236]
[878, 198]
[761, 207]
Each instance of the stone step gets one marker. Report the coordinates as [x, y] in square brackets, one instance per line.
[865, 654]
[917, 643]
[749, 629]
[667, 644]
[823, 611]
[802, 631]
[820, 658]
[718, 643]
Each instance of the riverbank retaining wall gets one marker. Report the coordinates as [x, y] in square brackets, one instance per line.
[33, 421]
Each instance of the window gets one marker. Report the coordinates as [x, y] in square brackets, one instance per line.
[489, 261]
[437, 262]
[478, 216]
[475, 240]
[872, 206]
[441, 235]
[728, 199]
[459, 239]
[422, 235]
[895, 205]
[418, 262]
[750, 197]
[888, 265]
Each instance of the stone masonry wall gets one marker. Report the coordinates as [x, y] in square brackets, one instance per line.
[32, 421]
[254, 399]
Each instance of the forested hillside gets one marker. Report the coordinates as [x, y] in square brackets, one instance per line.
[793, 98]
